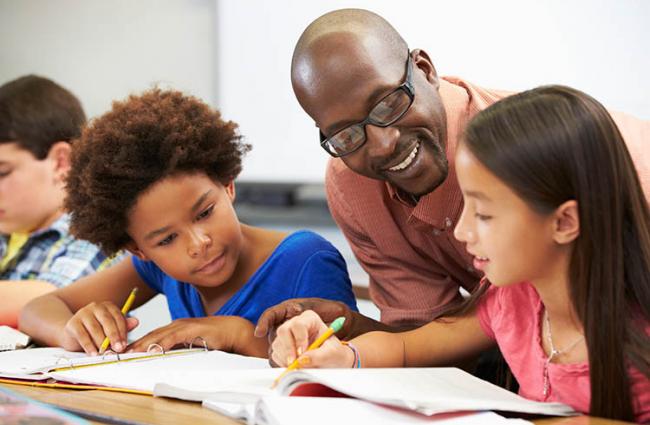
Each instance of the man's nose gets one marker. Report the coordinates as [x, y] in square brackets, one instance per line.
[382, 141]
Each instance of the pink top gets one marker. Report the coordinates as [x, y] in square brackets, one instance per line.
[408, 248]
[512, 317]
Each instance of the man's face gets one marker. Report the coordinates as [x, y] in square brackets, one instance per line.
[338, 91]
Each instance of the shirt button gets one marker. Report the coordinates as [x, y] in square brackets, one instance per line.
[448, 222]
[436, 232]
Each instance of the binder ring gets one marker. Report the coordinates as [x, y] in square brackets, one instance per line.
[69, 361]
[153, 346]
[111, 352]
[205, 344]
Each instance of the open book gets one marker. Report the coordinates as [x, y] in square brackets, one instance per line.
[428, 391]
[325, 411]
[243, 381]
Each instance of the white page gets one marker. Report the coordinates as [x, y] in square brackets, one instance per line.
[23, 363]
[186, 372]
[426, 390]
[232, 386]
[33, 363]
[325, 411]
[12, 339]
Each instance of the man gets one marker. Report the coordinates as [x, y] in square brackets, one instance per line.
[393, 125]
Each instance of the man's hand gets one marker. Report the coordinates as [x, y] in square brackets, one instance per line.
[328, 311]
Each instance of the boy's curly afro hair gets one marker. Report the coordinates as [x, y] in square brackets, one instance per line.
[139, 142]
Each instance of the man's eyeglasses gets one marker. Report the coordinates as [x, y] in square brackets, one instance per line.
[386, 112]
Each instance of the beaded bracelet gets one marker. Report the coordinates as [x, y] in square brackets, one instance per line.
[357, 358]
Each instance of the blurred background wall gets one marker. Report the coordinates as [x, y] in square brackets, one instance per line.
[235, 55]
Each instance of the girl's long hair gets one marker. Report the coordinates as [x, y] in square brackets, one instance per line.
[553, 144]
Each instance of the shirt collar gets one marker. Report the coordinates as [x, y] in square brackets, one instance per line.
[442, 207]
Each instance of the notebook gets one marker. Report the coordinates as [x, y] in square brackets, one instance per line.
[12, 339]
[133, 372]
[36, 363]
[428, 391]
[325, 411]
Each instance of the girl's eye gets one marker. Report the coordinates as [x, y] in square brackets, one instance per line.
[167, 240]
[482, 217]
[4, 173]
[205, 213]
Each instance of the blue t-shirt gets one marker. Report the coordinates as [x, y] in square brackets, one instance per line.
[303, 265]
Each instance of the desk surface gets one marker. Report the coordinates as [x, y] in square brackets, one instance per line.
[140, 409]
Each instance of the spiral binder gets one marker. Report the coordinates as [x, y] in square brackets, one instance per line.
[37, 366]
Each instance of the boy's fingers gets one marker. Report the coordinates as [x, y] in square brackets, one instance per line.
[131, 323]
[94, 329]
[107, 321]
[83, 338]
[120, 323]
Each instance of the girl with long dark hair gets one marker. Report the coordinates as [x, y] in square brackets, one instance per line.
[555, 217]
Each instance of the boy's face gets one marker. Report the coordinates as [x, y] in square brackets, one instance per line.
[31, 190]
[187, 225]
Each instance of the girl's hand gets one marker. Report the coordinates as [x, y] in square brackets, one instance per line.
[227, 333]
[88, 328]
[295, 335]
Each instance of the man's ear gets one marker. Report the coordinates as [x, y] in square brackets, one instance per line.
[422, 61]
[59, 154]
[566, 222]
[230, 190]
[133, 248]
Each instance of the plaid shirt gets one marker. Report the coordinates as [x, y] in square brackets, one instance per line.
[55, 256]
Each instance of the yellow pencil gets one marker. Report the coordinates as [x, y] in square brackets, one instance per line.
[334, 327]
[125, 309]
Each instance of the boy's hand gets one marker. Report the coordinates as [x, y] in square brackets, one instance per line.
[227, 333]
[87, 329]
[295, 335]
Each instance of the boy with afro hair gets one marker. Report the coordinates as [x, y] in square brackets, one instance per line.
[155, 176]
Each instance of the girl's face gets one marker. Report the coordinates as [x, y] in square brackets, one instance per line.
[187, 225]
[510, 242]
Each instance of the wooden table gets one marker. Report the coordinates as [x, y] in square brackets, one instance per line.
[140, 409]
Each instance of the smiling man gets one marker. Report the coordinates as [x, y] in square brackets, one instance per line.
[392, 126]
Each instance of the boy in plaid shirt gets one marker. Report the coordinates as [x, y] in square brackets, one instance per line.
[38, 122]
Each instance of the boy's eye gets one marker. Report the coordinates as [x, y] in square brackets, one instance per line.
[482, 217]
[167, 240]
[205, 213]
[4, 173]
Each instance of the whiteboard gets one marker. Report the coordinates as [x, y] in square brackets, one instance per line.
[235, 55]
[598, 46]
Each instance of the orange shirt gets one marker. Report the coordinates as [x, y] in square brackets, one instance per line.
[409, 251]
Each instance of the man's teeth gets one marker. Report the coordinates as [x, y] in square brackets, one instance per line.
[481, 258]
[402, 165]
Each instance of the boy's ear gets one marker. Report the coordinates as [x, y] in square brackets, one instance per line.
[133, 248]
[59, 153]
[230, 190]
[566, 223]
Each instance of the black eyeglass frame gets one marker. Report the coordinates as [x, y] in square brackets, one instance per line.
[406, 86]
